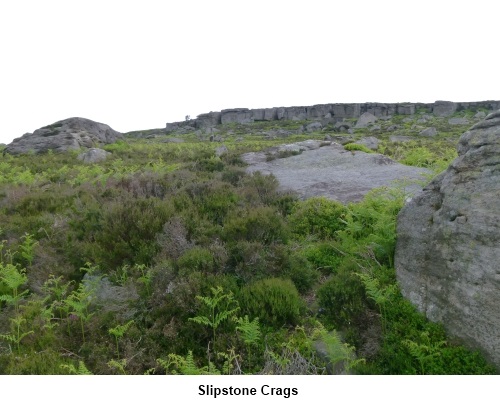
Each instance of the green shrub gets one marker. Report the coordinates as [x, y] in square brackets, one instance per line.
[298, 269]
[317, 216]
[420, 157]
[247, 260]
[232, 176]
[275, 301]
[211, 164]
[259, 188]
[127, 231]
[342, 298]
[370, 226]
[197, 259]
[357, 146]
[261, 224]
[324, 256]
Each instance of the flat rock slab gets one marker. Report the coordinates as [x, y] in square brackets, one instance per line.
[335, 173]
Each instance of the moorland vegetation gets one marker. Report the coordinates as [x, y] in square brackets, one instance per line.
[169, 259]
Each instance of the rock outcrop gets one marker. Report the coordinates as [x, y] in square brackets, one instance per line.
[71, 133]
[327, 169]
[332, 113]
[448, 248]
[93, 155]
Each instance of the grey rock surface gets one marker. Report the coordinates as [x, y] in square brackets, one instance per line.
[326, 113]
[400, 138]
[335, 173]
[314, 126]
[458, 121]
[365, 120]
[444, 108]
[173, 140]
[448, 245]
[94, 155]
[71, 133]
[370, 142]
[431, 131]
[221, 150]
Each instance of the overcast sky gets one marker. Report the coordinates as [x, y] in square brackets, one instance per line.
[137, 65]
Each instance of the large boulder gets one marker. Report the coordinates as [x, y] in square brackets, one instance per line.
[431, 131]
[448, 245]
[93, 155]
[71, 133]
[365, 120]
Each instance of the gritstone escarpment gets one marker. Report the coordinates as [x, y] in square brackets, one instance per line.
[71, 133]
[326, 113]
[448, 248]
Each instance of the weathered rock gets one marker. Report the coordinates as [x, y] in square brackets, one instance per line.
[400, 138]
[444, 108]
[324, 113]
[221, 150]
[211, 130]
[239, 115]
[94, 155]
[342, 140]
[448, 245]
[342, 126]
[71, 133]
[458, 121]
[375, 128]
[314, 126]
[431, 131]
[365, 120]
[173, 140]
[332, 172]
[406, 109]
[370, 142]
[394, 127]
[480, 115]
[279, 133]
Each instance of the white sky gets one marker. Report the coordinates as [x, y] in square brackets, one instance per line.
[139, 64]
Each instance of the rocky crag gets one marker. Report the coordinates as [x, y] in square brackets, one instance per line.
[448, 246]
[71, 133]
[326, 113]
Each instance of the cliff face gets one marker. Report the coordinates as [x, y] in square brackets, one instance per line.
[448, 248]
[333, 112]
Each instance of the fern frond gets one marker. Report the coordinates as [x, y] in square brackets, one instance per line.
[250, 330]
[202, 320]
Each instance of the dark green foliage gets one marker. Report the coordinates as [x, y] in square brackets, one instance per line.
[357, 146]
[342, 299]
[317, 216]
[261, 224]
[197, 259]
[298, 269]
[276, 302]
[233, 176]
[259, 188]
[324, 256]
[127, 231]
